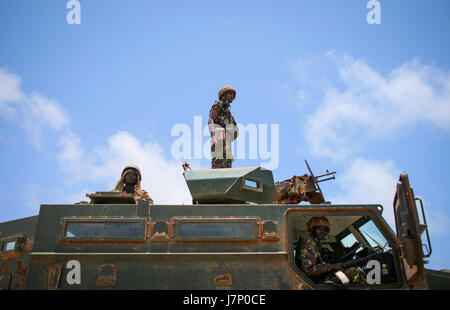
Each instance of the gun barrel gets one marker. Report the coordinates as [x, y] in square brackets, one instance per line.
[326, 174]
[358, 261]
[332, 178]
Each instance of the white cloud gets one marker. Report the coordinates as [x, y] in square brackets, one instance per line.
[161, 177]
[39, 116]
[47, 111]
[34, 112]
[10, 93]
[71, 152]
[369, 182]
[374, 182]
[360, 105]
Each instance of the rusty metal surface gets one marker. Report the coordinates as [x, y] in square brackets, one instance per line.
[4, 269]
[409, 231]
[53, 277]
[179, 271]
[21, 272]
[164, 237]
[111, 197]
[160, 231]
[107, 275]
[15, 262]
[222, 277]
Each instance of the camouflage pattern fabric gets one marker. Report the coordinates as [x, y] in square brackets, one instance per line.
[144, 196]
[314, 267]
[139, 195]
[224, 131]
[221, 163]
[311, 259]
[355, 275]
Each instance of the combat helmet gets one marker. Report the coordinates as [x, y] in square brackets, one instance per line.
[318, 221]
[225, 89]
[132, 167]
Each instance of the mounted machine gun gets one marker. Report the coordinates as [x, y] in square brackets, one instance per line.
[302, 188]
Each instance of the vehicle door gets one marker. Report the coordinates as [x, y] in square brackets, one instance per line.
[409, 232]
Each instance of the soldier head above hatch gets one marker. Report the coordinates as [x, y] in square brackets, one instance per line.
[130, 182]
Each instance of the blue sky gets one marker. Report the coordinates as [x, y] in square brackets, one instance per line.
[79, 102]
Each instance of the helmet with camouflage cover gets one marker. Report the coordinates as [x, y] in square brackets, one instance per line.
[318, 221]
[225, 89]
[132, 167]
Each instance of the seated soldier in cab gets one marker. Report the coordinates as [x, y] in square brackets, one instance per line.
[311, 259]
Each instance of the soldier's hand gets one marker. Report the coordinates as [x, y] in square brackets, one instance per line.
[338, 266]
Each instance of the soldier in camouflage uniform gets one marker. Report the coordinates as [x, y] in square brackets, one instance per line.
[223, 129]
[130, 182]
[311, 259]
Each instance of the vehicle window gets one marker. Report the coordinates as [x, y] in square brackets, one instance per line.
[376, 240]
[221, 229]
[348, 240]
[251, 184]
[104, 230]
[9, 246]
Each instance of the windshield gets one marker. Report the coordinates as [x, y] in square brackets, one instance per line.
[349, 240]
[374, 237]
[370, 234]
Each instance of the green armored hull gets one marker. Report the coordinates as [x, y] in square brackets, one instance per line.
[236, 235]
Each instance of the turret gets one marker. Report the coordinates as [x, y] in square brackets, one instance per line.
[231, 185]
[252, 185]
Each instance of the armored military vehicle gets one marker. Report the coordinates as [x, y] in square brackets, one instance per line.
[242, 231]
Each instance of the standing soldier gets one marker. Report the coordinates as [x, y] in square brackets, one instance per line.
[223, 129]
